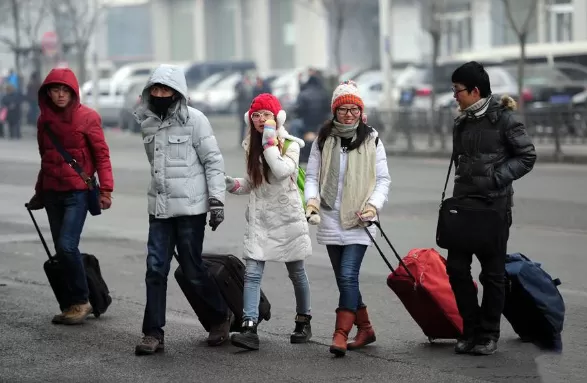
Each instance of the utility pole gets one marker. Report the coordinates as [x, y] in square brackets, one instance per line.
[95, 67]
[385, 57]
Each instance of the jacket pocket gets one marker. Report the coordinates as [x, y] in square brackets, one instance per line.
[177, 147]
[148, 141]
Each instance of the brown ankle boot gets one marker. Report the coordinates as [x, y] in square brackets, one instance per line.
[77, 314]
[365, 332]
[344, 324]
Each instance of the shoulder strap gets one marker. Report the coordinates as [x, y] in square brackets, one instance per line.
[452, 159]
[285, 146]
[67, 157]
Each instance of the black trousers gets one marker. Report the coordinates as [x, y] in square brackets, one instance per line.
[481, 323]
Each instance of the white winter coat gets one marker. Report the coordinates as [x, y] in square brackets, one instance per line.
[330, 231]
[187, 167]
[276, 228]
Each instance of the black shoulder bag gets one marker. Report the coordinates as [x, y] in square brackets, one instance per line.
[92, 183]
[468, 223]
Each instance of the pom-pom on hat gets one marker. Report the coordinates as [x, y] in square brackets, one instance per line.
[346, 93]
[266, 101]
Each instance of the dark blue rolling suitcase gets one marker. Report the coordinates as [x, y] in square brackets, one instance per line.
[533, 305]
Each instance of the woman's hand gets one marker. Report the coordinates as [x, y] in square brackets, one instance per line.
[269, 134]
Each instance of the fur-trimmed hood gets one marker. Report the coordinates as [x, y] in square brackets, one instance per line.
[281, 133]
[508, 103]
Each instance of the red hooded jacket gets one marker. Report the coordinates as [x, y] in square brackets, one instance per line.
[79, 129]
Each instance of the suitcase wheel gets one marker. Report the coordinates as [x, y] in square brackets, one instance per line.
[431, 339]
[96, 315]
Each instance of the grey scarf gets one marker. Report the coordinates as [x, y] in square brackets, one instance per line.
[331, 161]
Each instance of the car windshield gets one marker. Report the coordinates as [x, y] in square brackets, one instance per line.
[539, 74]
[210, 81]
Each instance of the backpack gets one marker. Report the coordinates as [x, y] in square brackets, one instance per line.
[301, 178]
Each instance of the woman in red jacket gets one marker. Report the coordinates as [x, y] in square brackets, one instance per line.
[60, 189]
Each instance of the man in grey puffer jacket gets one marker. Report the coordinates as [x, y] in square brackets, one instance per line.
[187, 182]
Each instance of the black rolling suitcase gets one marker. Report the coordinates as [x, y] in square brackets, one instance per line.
[99, 295]
[228, 271]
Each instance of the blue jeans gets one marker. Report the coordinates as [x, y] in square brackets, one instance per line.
[67, 213]
[252, 290]
[346, 263]
[187, 234]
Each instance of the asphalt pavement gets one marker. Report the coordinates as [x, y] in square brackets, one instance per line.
[550, 226]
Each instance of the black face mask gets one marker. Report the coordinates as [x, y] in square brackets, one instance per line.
[160, 105]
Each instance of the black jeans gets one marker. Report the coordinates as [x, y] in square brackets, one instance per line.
[187, 234]
[481, 323]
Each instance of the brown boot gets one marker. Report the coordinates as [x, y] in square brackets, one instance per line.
[365, 332]
[344, 324]
[77, 314]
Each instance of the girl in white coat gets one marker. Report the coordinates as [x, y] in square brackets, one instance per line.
[347, 183]
[276, 228]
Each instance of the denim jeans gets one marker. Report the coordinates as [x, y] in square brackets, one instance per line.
[187, 234]
[252, 289]
[67, 213]
[346, 263]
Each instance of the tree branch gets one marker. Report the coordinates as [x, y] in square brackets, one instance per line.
[510, 16]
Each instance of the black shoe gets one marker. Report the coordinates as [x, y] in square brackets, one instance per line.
[303, 331]
[464, 346]
[485, 348]
[247, 338]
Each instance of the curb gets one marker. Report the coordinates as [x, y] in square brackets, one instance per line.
[546, 158]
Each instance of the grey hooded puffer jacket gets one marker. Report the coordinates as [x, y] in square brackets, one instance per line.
[187, 167]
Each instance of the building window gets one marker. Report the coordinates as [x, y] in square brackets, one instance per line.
[559, 18]
[457, 33]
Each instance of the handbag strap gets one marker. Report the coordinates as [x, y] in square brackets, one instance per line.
[68, 158]
[452, 159]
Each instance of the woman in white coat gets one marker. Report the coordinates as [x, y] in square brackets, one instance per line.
[276, 228]
[347, 183]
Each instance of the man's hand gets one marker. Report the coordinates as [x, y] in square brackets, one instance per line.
[216, 213]
[105, 200]
[35, 203]
[312, 212]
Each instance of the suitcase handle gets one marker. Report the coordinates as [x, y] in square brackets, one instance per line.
[376, 223]
[39, 232]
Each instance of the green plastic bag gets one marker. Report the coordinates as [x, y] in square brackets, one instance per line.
[301, 179]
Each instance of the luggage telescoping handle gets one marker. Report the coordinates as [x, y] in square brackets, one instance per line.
[39, 231]
[376, 223]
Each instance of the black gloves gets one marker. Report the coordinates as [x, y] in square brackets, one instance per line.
[216, 213]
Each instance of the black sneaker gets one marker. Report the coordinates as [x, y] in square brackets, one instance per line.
[485, 348]
[247, 338]
[464, 346]
[303, 330]
[149, 345]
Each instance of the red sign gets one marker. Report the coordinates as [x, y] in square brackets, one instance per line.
[50, 43]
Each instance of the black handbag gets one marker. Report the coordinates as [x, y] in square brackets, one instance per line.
[92, 183]
[469, 223]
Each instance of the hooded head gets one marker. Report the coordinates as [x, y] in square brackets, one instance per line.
[157, 100]
[59, 94]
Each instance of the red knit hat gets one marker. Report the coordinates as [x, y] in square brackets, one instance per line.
[266, 101]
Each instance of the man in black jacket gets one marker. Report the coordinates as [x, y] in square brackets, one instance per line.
[491, 149]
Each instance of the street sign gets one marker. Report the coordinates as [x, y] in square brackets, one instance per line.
[50, 43]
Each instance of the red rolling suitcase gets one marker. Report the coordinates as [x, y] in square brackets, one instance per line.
[422, 284]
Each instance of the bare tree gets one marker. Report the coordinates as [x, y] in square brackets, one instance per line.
[522, 31]
[26, 18]
[81, 17]
[431, 24]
